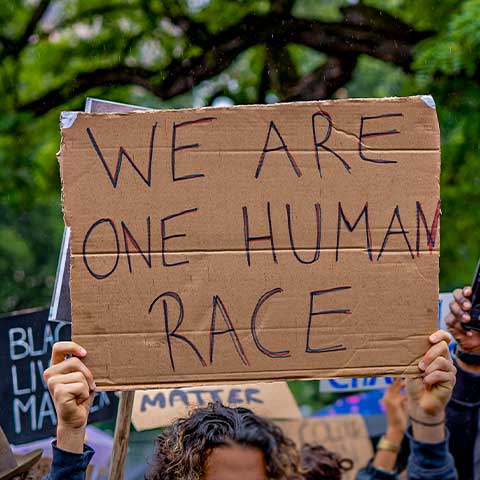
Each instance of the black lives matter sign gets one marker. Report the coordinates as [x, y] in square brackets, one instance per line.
[28, 412]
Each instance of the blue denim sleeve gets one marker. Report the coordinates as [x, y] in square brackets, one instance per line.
[372, 473]
[430, 461]
[68, 465]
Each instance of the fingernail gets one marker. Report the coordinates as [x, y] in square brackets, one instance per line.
[434, 337]
[83, 351]
[466, 317]
[466, 305]
[421, 365]
[94, 386]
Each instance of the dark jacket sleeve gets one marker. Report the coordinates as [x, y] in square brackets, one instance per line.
[427, 461]
[430, 461]
[68, 465]
[462, 421]
[372, 473]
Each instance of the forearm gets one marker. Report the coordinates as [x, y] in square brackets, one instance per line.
[70, 439]
[428, 428]
[386, 459]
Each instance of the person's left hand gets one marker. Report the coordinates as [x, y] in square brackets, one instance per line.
[428, 394]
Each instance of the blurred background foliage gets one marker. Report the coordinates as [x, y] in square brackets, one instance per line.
[182, 53]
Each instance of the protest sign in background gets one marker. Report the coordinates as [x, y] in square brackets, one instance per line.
[345, 435]
[27, 411]
[250, 243]
[159, 408]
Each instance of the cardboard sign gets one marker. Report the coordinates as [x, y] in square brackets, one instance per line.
[256, 242]
[159, 408]
[375, 383]
[60, 307]
[345, 435]
[27, 412]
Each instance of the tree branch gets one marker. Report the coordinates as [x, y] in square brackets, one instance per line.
[14, 47]
[342, 41]
[324, 81]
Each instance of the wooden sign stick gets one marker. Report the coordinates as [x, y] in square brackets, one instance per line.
[122, 432]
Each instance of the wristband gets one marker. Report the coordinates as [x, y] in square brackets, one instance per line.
[467, 357]
[387, 445]
[426, 424]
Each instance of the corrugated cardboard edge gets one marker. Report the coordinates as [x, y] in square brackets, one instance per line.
[427, 99]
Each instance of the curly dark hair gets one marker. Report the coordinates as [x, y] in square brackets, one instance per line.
[182, 450]
[319, 463]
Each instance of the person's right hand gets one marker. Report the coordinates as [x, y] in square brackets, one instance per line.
[468, 340]
[71, 385]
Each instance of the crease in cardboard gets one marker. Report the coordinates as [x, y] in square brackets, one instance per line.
[257, 250]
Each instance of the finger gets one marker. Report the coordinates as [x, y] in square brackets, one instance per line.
[62, 349]
[458, 295]
[75, 377]
[437, 350]
[396, 386]
[440, 336]
[440, 363]
[65, 391]
[451, 320]
[70, 365]
[438, 377]
[467, 291]
[459, 312]
[456, 309]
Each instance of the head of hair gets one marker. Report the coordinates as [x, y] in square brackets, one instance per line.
[182, 450]
[319, 463]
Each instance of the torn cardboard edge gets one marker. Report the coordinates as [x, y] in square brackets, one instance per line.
[60, 306]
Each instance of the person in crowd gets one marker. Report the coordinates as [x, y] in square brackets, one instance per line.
[389, 445]
[319, 463]
[218, 442]
[426, 399]
[463, 409]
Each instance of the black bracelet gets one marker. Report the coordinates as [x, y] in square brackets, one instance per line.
[425, 424]
[469, 358]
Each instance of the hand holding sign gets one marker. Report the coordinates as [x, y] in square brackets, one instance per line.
[72, 388]
[428, 395]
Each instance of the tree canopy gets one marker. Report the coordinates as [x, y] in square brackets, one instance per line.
[178, 53]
